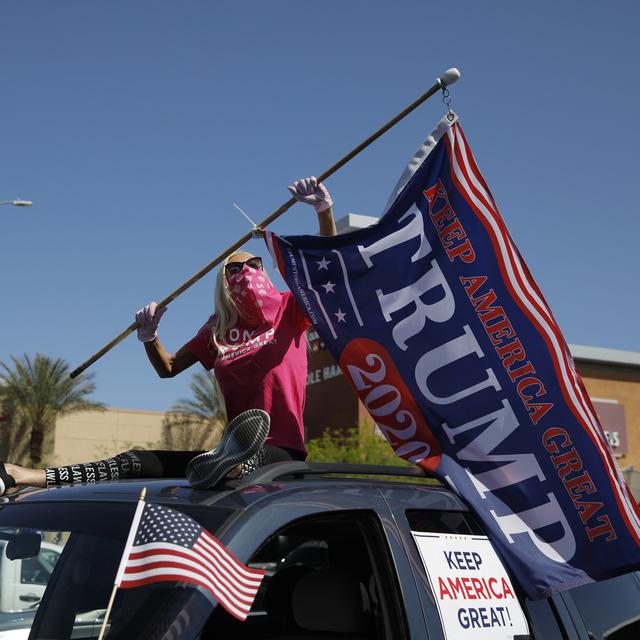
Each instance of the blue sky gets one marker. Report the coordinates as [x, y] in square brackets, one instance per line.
[134, 126]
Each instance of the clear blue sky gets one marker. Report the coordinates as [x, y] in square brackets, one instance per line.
[133, 126]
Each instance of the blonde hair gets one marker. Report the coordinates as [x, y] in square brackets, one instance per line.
[226, 312]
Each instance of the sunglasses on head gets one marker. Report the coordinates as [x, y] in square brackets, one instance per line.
[236, 267]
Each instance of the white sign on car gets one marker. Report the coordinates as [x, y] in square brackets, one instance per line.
[474, 595]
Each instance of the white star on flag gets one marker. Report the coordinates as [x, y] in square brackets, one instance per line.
[329, 287]
[323, 264]
[340, 315]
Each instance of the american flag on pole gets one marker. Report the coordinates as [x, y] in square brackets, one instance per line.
[167, 545]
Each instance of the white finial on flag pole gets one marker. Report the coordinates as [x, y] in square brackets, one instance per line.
[450, 76]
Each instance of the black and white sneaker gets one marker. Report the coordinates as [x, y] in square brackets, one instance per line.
[6, 481]
[242, 439]
[252, 464]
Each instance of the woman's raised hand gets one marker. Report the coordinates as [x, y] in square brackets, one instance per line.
[149, 318]
[310, 191]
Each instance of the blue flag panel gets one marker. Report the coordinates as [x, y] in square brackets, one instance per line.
[440, 329]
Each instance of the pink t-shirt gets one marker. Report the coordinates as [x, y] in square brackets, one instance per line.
[265, 368]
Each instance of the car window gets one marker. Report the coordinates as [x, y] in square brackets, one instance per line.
[328, 575]
[461, 522]
[610, 609]
[63, 591]
[38, 569]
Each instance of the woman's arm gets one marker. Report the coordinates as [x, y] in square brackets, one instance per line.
[166, 364]
[327, 223]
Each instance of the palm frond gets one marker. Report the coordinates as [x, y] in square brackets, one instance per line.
[37, 390]
[196, 423]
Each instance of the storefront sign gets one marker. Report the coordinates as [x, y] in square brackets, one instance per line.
[613, 420]
[326, 373]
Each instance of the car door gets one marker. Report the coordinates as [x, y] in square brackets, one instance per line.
[400, 499]
[338, 545]
[605, 610]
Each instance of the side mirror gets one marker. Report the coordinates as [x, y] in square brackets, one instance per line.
[23, 545]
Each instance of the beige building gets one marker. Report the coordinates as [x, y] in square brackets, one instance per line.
[612, 378]
[91, 435]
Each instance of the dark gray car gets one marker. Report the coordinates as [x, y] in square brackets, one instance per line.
[337, 543]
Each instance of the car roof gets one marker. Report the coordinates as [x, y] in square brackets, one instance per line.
[278, 477]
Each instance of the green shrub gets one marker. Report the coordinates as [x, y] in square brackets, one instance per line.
[353, 446]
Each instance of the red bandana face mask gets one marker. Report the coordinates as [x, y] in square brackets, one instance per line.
[256, 299]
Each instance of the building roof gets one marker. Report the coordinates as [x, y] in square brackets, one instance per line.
[605, 356]
[353, 221]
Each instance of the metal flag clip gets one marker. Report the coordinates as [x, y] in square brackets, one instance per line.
[448, 77]
[256, 231]
[446, 98]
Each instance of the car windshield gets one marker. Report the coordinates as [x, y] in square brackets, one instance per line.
[58, 563]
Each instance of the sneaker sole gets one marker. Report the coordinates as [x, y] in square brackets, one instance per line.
[242, 439]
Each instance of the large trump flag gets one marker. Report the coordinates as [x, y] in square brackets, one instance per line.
[441, 330]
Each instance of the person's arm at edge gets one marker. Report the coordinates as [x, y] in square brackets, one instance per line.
[327, 223]
[314, 193]
[168, 365]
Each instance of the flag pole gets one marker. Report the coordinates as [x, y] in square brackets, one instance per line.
[123, 561]
[447, 78]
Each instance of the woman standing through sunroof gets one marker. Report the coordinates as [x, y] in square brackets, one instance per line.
[255, 344]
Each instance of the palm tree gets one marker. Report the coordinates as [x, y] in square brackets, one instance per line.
[196, 423]
[34, 393]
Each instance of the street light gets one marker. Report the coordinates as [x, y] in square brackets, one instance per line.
[18, 202]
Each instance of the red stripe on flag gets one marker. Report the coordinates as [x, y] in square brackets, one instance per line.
[221, 582]
[208, 541]
[273, 244]
[207, 564]
[196, 555]
[238, 610]
[568, 379]
[457, 157]
[541, 307]
[224, 583]
[541, 304]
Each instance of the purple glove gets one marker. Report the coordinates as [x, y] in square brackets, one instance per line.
[149, 318]
[309, 191]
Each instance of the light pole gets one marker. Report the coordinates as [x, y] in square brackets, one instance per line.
[18, 202]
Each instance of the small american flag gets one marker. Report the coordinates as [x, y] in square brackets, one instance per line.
[167, 545]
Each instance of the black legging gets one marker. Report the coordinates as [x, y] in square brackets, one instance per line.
[139, 463]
